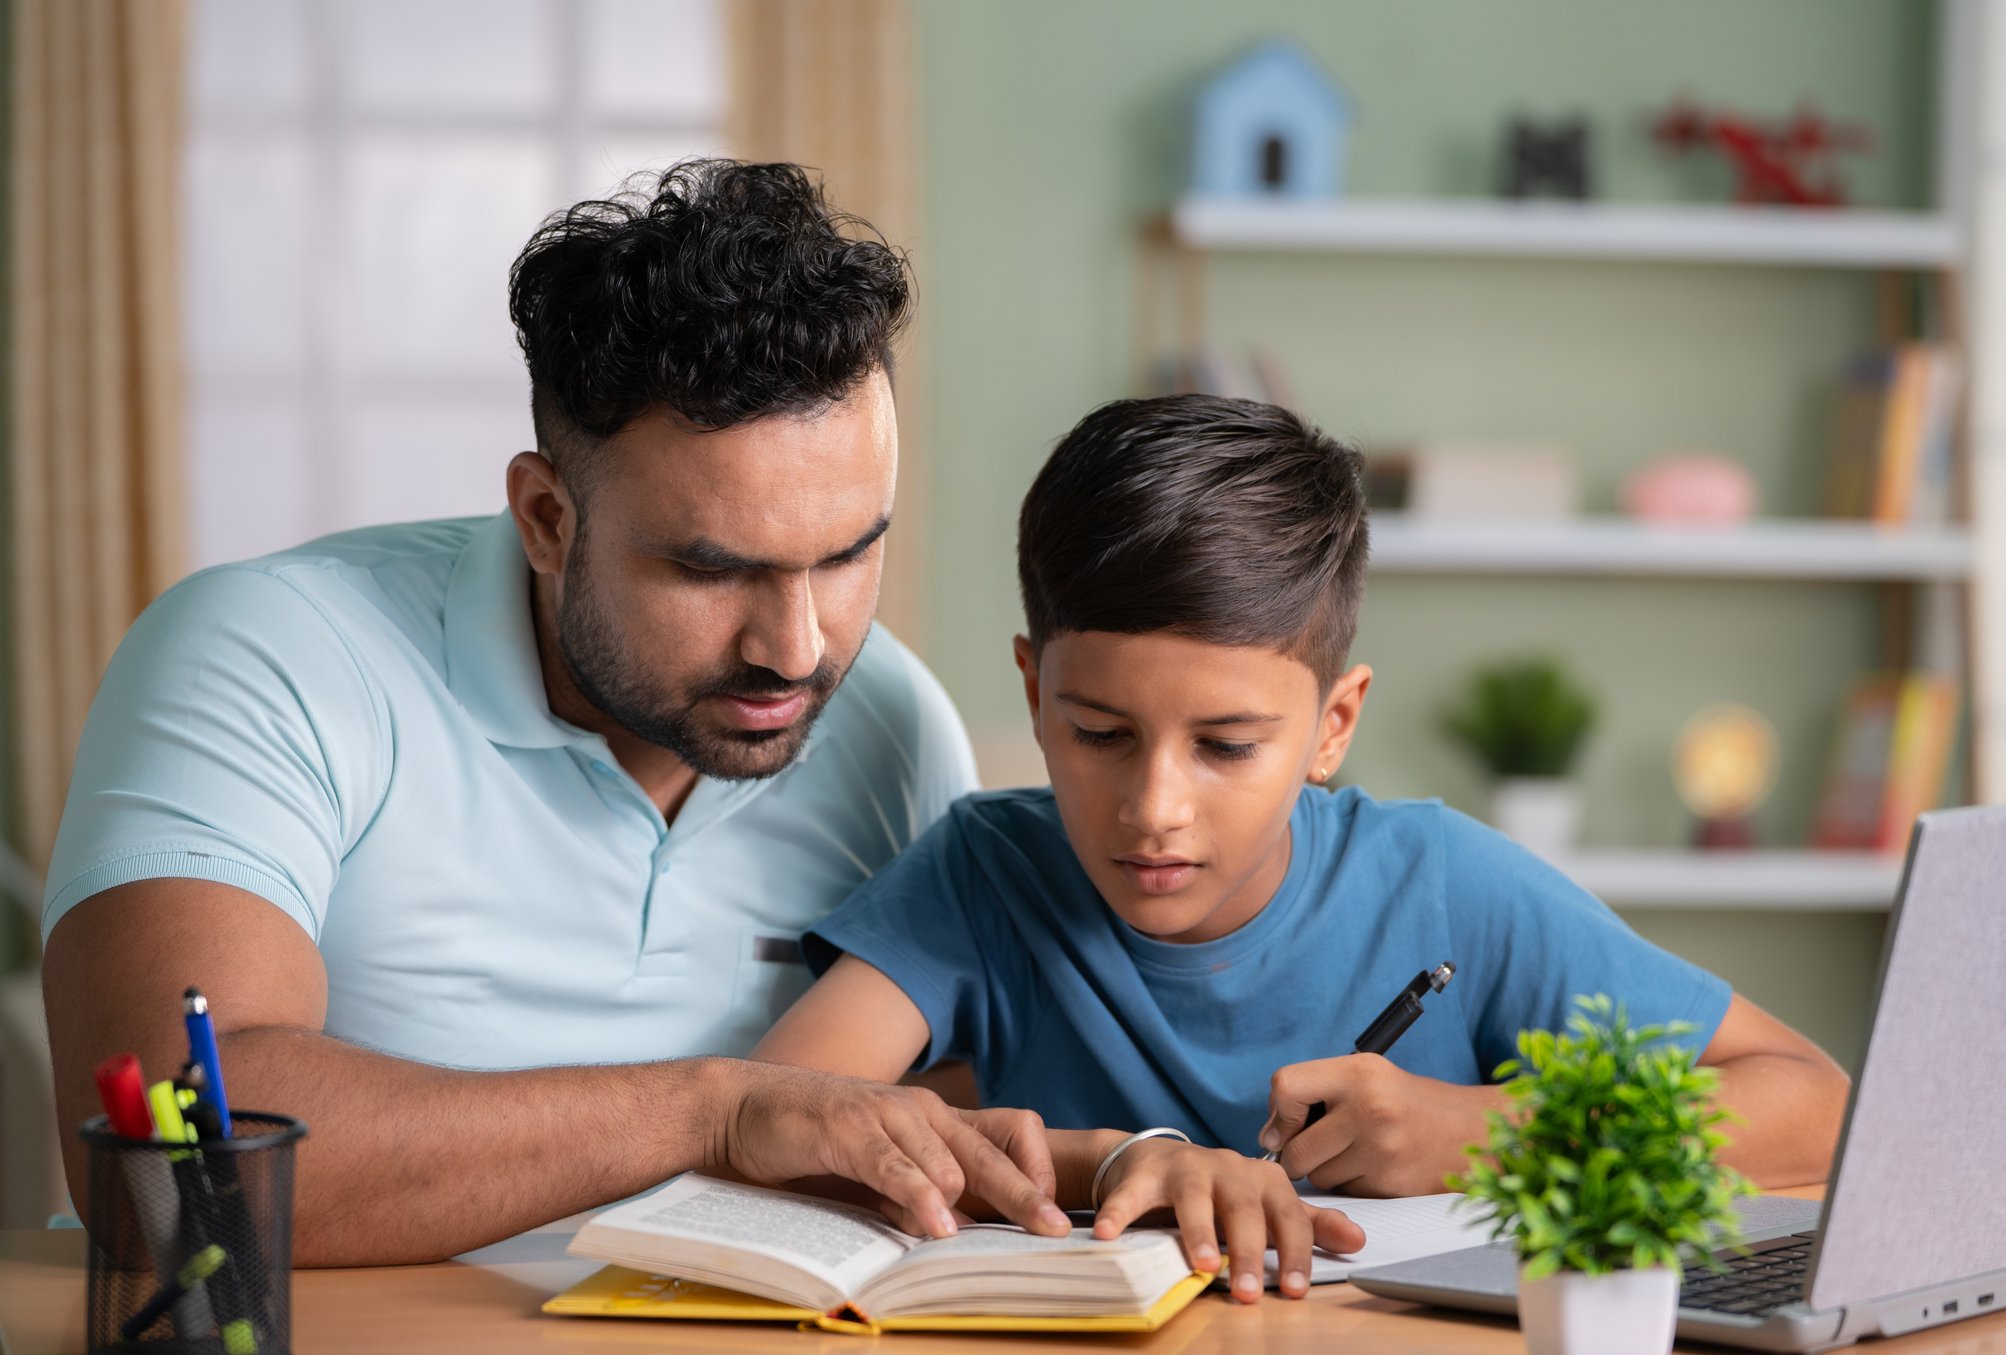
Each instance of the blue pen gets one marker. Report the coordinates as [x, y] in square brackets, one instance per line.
[202, 1050]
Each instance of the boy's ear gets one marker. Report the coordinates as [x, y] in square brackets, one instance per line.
[1339, 720]
[1027, 664]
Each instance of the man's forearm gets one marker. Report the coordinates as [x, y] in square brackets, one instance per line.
[407, 1162]
[1787, 1112]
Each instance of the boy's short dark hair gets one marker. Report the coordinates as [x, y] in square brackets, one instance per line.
[724, 291]
[1230, 521]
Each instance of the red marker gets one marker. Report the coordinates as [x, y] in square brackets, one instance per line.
[123, 1092]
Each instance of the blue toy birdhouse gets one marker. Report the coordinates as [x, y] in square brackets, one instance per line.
[1271, 124]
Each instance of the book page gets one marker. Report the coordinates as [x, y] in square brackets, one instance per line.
[707, 1229]
[1395, 1230]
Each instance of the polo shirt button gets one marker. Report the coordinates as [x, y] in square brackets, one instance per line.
[602, 768]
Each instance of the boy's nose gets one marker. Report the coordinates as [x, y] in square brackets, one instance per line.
[1159, 803]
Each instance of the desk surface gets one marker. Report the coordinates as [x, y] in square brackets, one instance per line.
[487, 1303]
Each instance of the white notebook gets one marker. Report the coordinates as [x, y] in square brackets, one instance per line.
[1396, 1230]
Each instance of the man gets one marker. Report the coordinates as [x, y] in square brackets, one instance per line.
[475, 832]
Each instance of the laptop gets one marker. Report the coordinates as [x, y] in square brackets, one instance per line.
[1912, 1230]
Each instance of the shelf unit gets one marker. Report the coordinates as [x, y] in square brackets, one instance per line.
[1798, 881]
[1778, 548]
[1928, 576]
[1771, 236]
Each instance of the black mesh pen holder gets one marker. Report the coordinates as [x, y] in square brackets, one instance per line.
[191, 1244]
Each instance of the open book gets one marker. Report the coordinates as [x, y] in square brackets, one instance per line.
[750, 1253]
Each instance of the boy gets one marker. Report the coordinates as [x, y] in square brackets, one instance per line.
[1185, 930]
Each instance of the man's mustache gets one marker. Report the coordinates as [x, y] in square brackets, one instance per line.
[767, 685]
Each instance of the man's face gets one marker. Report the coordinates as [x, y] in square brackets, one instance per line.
[720, 584]
[1175, 764]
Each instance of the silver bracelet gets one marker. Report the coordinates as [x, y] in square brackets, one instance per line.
[1100, 1174]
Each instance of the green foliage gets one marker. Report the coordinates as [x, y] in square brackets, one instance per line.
[1523, 718]
[1608, 1159]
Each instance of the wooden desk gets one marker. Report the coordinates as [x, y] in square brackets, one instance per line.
[488, 1305]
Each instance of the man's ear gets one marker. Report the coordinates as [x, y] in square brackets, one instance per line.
[544, 514]
[1339, 720]
[1027, 664]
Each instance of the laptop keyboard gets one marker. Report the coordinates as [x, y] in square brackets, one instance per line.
[1755, 1284]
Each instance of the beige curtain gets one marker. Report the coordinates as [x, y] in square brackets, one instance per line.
[829, 84]
[93, 446]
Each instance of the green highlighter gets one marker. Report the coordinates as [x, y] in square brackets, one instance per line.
[199, 1216]
[196, 1269]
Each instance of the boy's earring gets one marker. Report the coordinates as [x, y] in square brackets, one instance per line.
[1320, 776]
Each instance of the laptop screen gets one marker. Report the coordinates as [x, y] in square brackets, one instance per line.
[1915, 1198]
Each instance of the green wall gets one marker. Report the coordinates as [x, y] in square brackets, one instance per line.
[1052, 129]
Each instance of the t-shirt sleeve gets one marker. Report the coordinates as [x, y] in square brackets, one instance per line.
[233, 739]
[1528, 941]
[929, 924]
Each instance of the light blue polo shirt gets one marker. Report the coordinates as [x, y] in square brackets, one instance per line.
[357, 731]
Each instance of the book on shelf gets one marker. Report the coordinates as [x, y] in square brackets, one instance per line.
[706, 1249]
[1893, 437]
[1894, 746]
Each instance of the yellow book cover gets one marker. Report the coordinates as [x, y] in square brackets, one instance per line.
[1925, 724]
[1902, 433]
[616, 1291]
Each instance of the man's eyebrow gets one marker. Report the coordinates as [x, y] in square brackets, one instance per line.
[703, 553]
[1238, 717]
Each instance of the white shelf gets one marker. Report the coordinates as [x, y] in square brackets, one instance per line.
[1808, 237]
[1789, 880]
[1779, 548]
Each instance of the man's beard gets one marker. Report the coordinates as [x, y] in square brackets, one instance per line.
[590, 645]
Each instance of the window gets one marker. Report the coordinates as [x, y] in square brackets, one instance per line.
[360, 174]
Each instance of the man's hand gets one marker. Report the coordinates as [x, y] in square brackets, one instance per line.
[1384, 1131]
[776, 1123]
[1216, 1192]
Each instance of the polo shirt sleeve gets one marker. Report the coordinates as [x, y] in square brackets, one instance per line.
[1528, 941]
[234, 739]
[929, 923]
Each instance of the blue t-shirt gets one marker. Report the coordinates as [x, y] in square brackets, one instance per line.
[990, 925]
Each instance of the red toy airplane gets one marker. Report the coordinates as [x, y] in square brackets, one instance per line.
[1774, 161]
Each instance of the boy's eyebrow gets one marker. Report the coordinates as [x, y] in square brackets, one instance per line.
[707, 554]
[1238, 717]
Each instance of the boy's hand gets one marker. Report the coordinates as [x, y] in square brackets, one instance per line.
[1218, 1193]
[1384, 1131]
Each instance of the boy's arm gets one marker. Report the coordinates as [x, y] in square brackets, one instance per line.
[1390, 1132]
[1789, 1094]
[853, 1021]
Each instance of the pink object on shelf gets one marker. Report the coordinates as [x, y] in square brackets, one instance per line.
[1698, 488]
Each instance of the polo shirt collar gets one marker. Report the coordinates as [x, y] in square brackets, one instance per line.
[492, 667]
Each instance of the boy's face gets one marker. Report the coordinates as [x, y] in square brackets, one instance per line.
[1175, 764]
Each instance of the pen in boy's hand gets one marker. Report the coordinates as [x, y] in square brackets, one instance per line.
[1403, 1011]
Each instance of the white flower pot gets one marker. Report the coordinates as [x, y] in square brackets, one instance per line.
[1626, 1312]
[1540, 813]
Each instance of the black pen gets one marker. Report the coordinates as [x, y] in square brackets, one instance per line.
[1403, 1011]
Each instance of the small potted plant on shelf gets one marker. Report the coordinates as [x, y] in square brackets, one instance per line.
[1526, 720]
[1605, 1176]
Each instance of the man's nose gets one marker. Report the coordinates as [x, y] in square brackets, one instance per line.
[785, 633]
[1159, 799]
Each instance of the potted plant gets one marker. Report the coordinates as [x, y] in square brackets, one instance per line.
[1526, 720]
[1605, 1177]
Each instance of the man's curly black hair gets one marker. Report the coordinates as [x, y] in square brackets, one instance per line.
[724, 291]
